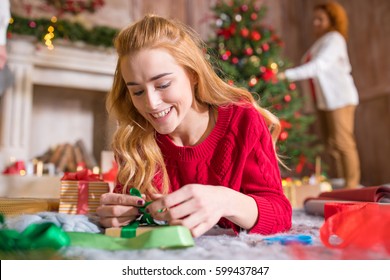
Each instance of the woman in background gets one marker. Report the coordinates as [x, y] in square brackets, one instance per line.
[327, 68]
[4, 20]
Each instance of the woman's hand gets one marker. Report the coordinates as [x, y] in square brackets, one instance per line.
[117, 210]
[197, 207]
[281, 76]
[3, 56]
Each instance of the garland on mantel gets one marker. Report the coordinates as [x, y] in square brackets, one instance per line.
[47, 30]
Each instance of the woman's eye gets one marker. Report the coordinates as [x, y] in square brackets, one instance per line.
[138, 93]
[163, 86]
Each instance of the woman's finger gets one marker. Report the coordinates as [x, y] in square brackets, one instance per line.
[116, 221]
[121, 199]
[117, 211]
[200, 229]
[182, 210]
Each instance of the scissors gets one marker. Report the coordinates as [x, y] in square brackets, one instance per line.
[289, 239]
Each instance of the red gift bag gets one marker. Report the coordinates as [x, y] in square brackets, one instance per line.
[357, 225]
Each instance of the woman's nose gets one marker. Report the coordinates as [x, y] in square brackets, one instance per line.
[152, 99]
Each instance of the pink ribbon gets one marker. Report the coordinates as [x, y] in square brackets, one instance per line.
[82, 200]
[82, 175]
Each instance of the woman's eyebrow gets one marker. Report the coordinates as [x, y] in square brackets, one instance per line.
[151, 79]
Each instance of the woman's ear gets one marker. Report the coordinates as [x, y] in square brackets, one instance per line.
[194, 77]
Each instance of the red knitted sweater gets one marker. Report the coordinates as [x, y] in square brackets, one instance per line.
[238, 154]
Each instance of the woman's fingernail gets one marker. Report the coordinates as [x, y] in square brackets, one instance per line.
[140, 202]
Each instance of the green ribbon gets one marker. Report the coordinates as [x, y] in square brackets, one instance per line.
[35, 236]
[130, 231]
[164, 237]
[50, 236]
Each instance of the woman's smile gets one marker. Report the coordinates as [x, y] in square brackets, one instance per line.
[162, 114]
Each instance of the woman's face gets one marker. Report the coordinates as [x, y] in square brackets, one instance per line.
[160, 89]
[321, 22]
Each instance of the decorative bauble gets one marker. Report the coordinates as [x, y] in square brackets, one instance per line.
[283, 136]
[292, 86]
[255, 36]
[287, 98]
[253, 16]
[255, 60]
[253, 81]
[265, 47]
[278, 107]
[285, 124]
[268, 75]
[238, 18]
[248, 51]
[244, 8]
[226, 55]
[235, 60]
[244, 32]
[224, 16]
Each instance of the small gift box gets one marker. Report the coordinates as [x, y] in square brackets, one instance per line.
[21, 205]
[297, 193]
[80, 192]
[143, 224]
[118, 232]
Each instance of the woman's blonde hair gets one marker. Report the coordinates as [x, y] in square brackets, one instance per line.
[134, 144]
[337, 16]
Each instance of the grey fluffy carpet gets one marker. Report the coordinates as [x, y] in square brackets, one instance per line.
[216, 244]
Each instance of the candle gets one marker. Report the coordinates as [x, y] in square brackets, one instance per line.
[39, 168]
[96, 170]
[318, 168]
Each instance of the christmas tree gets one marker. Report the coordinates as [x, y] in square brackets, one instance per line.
[249, 55]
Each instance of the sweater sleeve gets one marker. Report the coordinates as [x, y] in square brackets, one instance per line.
[261, 180]
[329, 50]
[4, 20]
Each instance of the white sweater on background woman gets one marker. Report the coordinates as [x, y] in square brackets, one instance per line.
[330, 69]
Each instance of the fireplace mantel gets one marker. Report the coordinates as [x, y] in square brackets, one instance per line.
[66, 66]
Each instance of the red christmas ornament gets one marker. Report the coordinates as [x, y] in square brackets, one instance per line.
[244, 8]
[235, 60]
[301, 164]
[292, 86]
[283, 136]
[253, 16]
[256, 36]
[262, 69]
[269, 75]
[265, 47]
[285, 125]
[287, 98]
[227, 32]
[278, 107]
[244, 32]
[230, 82]
[226, 55]
[248, 51]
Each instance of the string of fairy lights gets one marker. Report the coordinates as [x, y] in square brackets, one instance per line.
[50, 34]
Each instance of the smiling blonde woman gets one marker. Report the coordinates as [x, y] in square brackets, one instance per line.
[200, 148]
